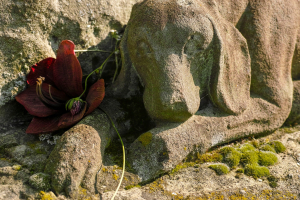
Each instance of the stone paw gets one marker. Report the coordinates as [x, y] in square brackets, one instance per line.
[75, 161]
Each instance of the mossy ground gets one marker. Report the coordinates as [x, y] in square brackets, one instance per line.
[252, 158]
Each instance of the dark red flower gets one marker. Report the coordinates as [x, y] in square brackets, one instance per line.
[53, 83]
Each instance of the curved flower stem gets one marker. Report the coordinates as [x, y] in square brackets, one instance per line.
[116, 59]
[123, 148]
[85, 85]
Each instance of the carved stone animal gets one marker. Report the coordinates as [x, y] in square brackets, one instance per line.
[211, 71]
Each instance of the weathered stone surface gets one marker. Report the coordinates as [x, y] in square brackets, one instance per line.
[184, 51]
[75, 160]
[31, 31]
[109, 177]
[200, 182]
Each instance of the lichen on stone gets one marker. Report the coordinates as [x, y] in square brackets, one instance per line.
[145, 138]
[17, 167]
[40, 181]
[47, 195]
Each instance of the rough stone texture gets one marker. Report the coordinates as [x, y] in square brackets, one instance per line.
[200, 182]
[31, 31]
[75, 160]
[109, 177]
[221, 53]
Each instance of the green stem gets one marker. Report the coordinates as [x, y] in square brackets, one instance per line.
[85, 85]
[123, 148]
[116, 59]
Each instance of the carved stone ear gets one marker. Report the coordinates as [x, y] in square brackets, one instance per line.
[127, 82]
[230, 79]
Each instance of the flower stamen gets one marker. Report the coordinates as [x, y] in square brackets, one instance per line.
[51, 95]
[39, 92]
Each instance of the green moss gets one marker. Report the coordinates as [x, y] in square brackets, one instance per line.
[209, 157]
[32, 145]
[131, 186]
[249, 157]
[241, 171]
[267, 158]
[220, 169]
[272, 181]
[267, 147]
[230, 156]
[273, 184]
[288, 130]
[226, 150]
[40, 151]
[182, 166]
[246, 147]
[256, 171]
[145, 138]
[255, 143]
[278, 146]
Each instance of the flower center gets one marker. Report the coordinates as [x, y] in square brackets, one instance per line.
[47, 99]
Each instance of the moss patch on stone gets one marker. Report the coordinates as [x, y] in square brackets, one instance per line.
[267, 147]
[272, 181]
[278, 146]
[145, 138]
[209, 157]
[256, 171]
[246, 147]
[249, 157]
[182, 166]
[267, 158]
[220, 169]
[230, 156]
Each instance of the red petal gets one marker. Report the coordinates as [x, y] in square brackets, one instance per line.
[55, 93]
[66, 47]
[95, 95]
[43, 125]
[67, 71]
[33, 104]
[68, 119]
[44, 68]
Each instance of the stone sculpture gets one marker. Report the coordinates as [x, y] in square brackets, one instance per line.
[207, 72]
[231, 59]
